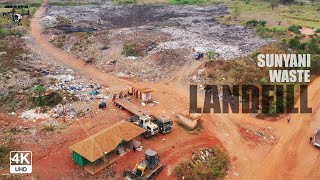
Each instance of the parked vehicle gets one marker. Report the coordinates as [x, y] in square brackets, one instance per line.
[164, 123]
[148, 169]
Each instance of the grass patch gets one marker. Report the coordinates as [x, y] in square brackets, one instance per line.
[265, 32]
[132, 49]
[123, 2]
[182, 2]
[282, 15]
[72, 3]
[210, 163]
[30, 3]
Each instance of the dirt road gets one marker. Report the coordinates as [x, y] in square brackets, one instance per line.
[290, 158]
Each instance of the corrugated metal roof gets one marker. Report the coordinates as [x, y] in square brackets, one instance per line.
[106, 140]
[141, 88]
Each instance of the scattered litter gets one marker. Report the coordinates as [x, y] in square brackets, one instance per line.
[32, 114]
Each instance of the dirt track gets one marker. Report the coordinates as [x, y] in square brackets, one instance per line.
[290, 158]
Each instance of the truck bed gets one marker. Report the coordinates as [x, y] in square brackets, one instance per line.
[131, 107]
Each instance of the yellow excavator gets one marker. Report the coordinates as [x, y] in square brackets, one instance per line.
[148, 169]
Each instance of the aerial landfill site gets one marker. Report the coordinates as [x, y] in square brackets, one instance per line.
[159, 89]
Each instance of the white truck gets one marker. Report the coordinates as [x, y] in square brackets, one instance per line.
[145, 122]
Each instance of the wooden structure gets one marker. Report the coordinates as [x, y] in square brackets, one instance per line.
[140, 93]
[99, 150]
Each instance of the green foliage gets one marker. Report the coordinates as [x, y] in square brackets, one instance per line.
[4, 154]
[255, 23]
[7, 32]
[72, 3]
[315, 64]
[211, 54]
[40, 99]
[181, 2]
[317, 30]
[294, 43]
[13, 105]
[286, 1]
[123, 2]
[313, 46]
[132, 49]
[265, 32]
[252, 23]
[295, 29]
[213, 167]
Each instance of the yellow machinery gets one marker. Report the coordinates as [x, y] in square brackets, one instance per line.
[148, 169]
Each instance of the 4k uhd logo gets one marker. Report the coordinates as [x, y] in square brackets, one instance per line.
[20, 162]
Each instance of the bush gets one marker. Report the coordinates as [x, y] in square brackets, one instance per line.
[294, 43]
[318, 30]
[255, 23]
[262, 23]
[4, 154]
[213, 166]
[211, 54]
[132, 49]
[268, 33]
[315, 64]
[295, 29]
[313, 46]
[123, 2]
[286, 1]
[252, 23]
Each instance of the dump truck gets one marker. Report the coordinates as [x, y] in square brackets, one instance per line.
[142, 118]
[316, 138]
[164, 123]
[148, 169]
[145, 122]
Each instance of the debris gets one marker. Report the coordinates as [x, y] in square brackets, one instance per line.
[103, 105]
[32, 115]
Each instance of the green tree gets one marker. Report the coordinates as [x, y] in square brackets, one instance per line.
[40, 99]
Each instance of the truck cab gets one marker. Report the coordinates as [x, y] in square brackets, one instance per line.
[164, 123]
[146, 123]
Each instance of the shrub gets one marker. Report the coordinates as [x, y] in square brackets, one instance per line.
[123, 2]
[211, 54]
[213, 166]
[295, 29]
[255, 23]
[315, 62]
[262, 23]
[313, 46]
[265, 32]
[132, 49]
[252, 23]
[286, 1]
[318, 30]
[294, 43]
